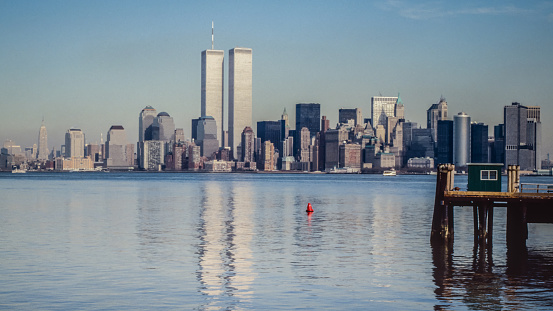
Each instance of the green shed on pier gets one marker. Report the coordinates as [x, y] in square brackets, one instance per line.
[484, 177]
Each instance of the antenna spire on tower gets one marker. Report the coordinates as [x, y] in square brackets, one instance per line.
[212, 35]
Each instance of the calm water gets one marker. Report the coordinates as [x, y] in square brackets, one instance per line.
[131, 241]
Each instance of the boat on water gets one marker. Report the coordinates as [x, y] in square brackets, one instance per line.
[391, 172]
[19, 171]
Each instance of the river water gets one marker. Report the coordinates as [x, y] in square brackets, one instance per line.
[155, 241]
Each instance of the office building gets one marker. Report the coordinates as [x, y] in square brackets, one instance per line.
[207, 136]
[213, 87]
[163, 127]
[268, 156]
[309, 116]
[444, 148]
[333, 140]
[153, 155]
[461, 140]
[240, 95]
[74, 143]
[248, 145]
[145, 121]
[179, 135]
[350, 156]
[522, 136]
[42, 143]
[479, 143]
[435, 113]
[382, 107]
[270, 131]
[118, 152]
[305, 140]
[285, 125]
[345, 114]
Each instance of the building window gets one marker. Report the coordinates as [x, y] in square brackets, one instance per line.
[488, 175]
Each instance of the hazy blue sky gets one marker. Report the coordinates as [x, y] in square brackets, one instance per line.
[93, 64]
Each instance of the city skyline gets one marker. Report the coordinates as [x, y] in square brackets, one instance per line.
[57, 61]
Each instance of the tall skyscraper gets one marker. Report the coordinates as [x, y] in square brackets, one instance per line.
[248, 145]
[479, 143]
[145, 121]
[42, 143]
[444, 149]
[163, 127]
[308, 115]
[461, 139]
[74, 143]
[116, 147]
[435, 113]
[240, 95]
[345, 114]
[207, 136]
[212, 87]
[381, 108]
[522, 136]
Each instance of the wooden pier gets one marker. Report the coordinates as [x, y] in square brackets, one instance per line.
[522, 207]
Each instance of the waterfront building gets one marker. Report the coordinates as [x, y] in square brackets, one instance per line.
[384, 160]
[268, 156]
[345, 114]
[42, 143]
[74, 164]
[145, 121]
[333, 140]
[461, 140]
[74, 143]
[421, 163]
[305, 139]
[213, 88]
[444, 148]
[207, 136]
[325, 125]
[479, 143]
[194, 157]
[153, 155]
[118, 151]
[248, 145]
[163, 127]
[522, 136]
[435, 113]
[350, 156]
[93, 152]
[240, 95]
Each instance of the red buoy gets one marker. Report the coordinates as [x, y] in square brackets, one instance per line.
[309, 208]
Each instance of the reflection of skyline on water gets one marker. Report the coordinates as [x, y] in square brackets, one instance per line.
[244, 241]
[482, 285]
[224, 256]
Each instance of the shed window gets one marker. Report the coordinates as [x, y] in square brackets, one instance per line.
[488, 175]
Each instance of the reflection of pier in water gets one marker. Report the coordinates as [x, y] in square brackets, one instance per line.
[224, 250]
[482, 285]
[479, 283]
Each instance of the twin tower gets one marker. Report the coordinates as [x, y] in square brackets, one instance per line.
[239, 92]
